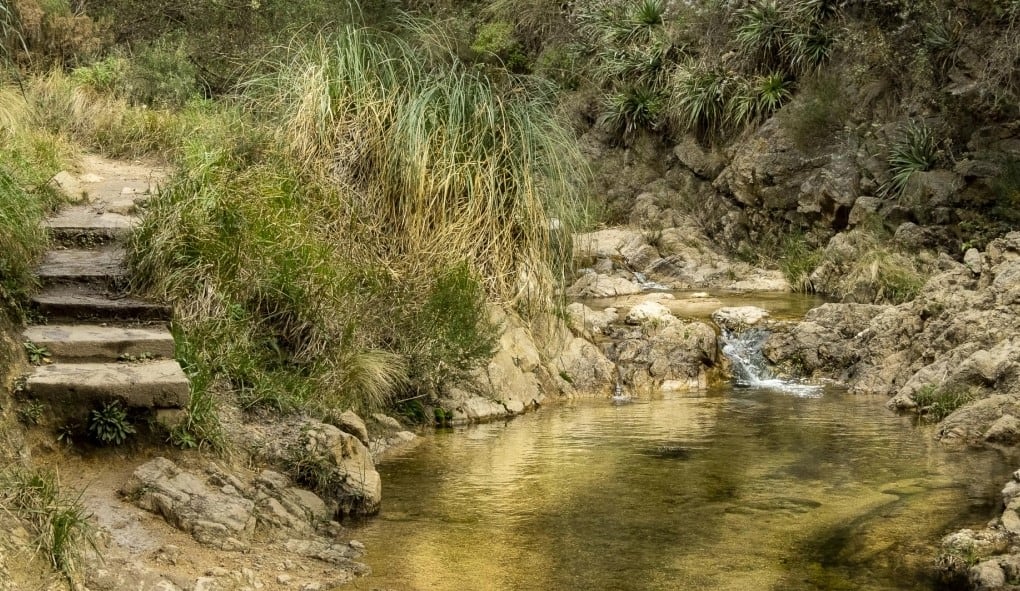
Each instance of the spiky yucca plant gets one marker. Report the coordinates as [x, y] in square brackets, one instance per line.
[915, 151]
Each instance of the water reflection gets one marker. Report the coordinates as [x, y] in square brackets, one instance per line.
[741, 489]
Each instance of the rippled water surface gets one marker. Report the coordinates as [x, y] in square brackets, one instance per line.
[737, 490]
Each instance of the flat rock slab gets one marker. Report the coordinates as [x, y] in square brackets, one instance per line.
[80, 342]
[156, 384]
[79, 221]
[83, 266]
[68, 302]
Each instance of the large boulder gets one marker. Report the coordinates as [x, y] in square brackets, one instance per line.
[340, 467]
[595, 285]
[680, 355]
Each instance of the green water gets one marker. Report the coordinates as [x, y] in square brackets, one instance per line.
[736, 490]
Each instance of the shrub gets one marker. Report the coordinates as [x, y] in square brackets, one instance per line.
[496, 40]
[162, 75]
[798, 260]
[818, 113]
[103, 76]
[914, 151]
[452, 333]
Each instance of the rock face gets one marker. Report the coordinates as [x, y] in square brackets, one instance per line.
[952, 342]
[623, 261]
[656, 350]
[523, 373]
[210, 507]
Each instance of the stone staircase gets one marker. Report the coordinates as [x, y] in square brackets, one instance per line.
[99, 343]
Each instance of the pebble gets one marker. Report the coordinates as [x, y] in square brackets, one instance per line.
[284, 579]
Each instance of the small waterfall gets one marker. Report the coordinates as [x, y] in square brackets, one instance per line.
[750, 369]
[744, 352]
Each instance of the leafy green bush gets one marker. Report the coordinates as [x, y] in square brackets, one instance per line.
[452, 333]
[104, 76]
[162, 75]
[495, 40]
[109, 424]
[820, 111]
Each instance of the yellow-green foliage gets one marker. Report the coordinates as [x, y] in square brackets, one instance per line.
[28, 158]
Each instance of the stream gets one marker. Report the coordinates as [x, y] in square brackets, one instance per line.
[737, 488]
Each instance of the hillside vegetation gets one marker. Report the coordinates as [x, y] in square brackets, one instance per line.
[354, 185]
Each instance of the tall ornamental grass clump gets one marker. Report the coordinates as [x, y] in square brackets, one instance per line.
[446, 165]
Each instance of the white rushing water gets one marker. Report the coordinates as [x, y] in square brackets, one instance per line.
[750, 369]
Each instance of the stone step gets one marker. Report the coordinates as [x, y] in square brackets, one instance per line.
[87, 225]
[155, 384]
[104, 266]
[80, 302]
[89, 342]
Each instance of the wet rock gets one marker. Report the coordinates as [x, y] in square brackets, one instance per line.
[676, 353]
[1006, 429]
[342, 555]
[960, 549]
[586, 322]
[761, 280]
[703, 163]
[739, 318]
[987, 576]
[586, 368]
[350, 422]
[864, 209]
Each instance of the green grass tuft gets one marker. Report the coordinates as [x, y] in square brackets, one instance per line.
[936, 403]
[61, 525]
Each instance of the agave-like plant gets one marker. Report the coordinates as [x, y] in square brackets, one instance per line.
[630, 109]
[753, 100]
[915, 151]
[810, 48]
[700, 99]
[642, 21]
[773, 91]
[764, 31]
